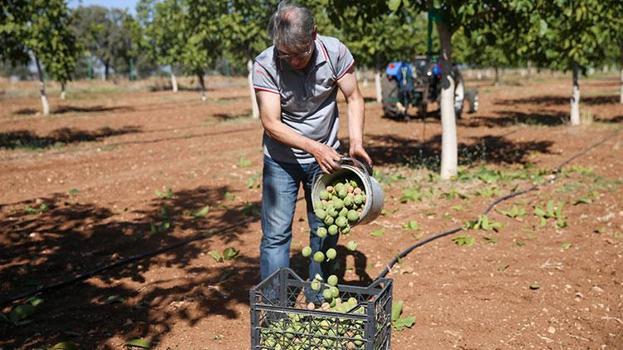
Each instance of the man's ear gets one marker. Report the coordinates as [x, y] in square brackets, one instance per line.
[314, 33]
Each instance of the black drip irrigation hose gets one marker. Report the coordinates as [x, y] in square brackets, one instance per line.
[85, 275]
[554, 177]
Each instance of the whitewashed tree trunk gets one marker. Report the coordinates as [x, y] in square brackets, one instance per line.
[377, 85]
[44, 98]
[449, 157]
[173, 80]
[255, 110]
[575, 97]
[202, 86]
[63, 91]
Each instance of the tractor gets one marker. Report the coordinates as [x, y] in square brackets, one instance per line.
[418, 83]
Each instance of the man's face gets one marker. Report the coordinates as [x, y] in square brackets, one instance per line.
[297, 59]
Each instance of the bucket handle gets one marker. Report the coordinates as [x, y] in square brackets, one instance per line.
[367, 169]
[364, 166]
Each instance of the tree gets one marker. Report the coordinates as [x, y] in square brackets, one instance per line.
[244, 26]
[127, 42]
[164, 31]
[565, 35]
[39, 29]
[449, 16]
[614, 24]
[487, 47]
[94, 28]
[378, 40]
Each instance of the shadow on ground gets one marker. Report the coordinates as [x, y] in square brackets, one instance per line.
[496, 149]
[613, 120]
[77, 109]
[553, 100]
[227, 117]
[506, 118]
[59, 137]
[57, 237]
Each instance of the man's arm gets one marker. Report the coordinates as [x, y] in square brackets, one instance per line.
[270, 114]
[354, 98]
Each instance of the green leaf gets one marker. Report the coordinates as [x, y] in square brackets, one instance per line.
[490, 240]
[411, 225]
[139, 343]
[202, 212]
[243, 162]
[35, 301]
[583, 200]
[464, 240]
[65, 345]
[216, 255]
[377, 233]
[539, 212]
[167, 194]
[393, 5]
[230, 253]
[404, 322]
[397, 309]
[550, 209]
[535, 286]
[21, 312]
[566, 245]
[457, 207]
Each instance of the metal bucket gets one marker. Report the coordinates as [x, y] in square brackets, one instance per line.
[352, 168]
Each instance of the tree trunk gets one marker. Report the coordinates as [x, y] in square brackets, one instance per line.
[63, 91]
[255, 110]
[106, 68]
[173, 80]
[378, 87]
[496, 79]
[575, 97]
[448, 118]
[44, 97]
[377, 82]
[202, 86]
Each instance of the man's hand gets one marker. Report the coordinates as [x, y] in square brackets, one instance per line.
[328, 159]
[358, 152]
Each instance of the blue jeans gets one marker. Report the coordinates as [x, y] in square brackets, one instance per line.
[281, 182]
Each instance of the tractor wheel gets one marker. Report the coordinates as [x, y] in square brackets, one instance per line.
[389, 89]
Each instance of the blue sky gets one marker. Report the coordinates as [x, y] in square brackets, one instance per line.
[127, 4]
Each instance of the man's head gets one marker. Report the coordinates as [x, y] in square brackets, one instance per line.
[293, 31]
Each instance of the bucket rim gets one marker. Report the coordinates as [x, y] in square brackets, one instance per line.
[315, 195]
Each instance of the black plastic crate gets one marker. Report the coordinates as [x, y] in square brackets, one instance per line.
[281, 320]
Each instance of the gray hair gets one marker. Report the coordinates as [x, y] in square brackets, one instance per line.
[291, 26]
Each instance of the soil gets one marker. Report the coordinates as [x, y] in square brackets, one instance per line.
[121, 169]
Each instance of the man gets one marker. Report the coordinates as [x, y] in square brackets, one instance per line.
[296, 82]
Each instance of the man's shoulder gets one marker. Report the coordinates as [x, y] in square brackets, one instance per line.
[266, 59]
[331, 43]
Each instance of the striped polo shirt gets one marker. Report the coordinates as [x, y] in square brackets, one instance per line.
[308, 97]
